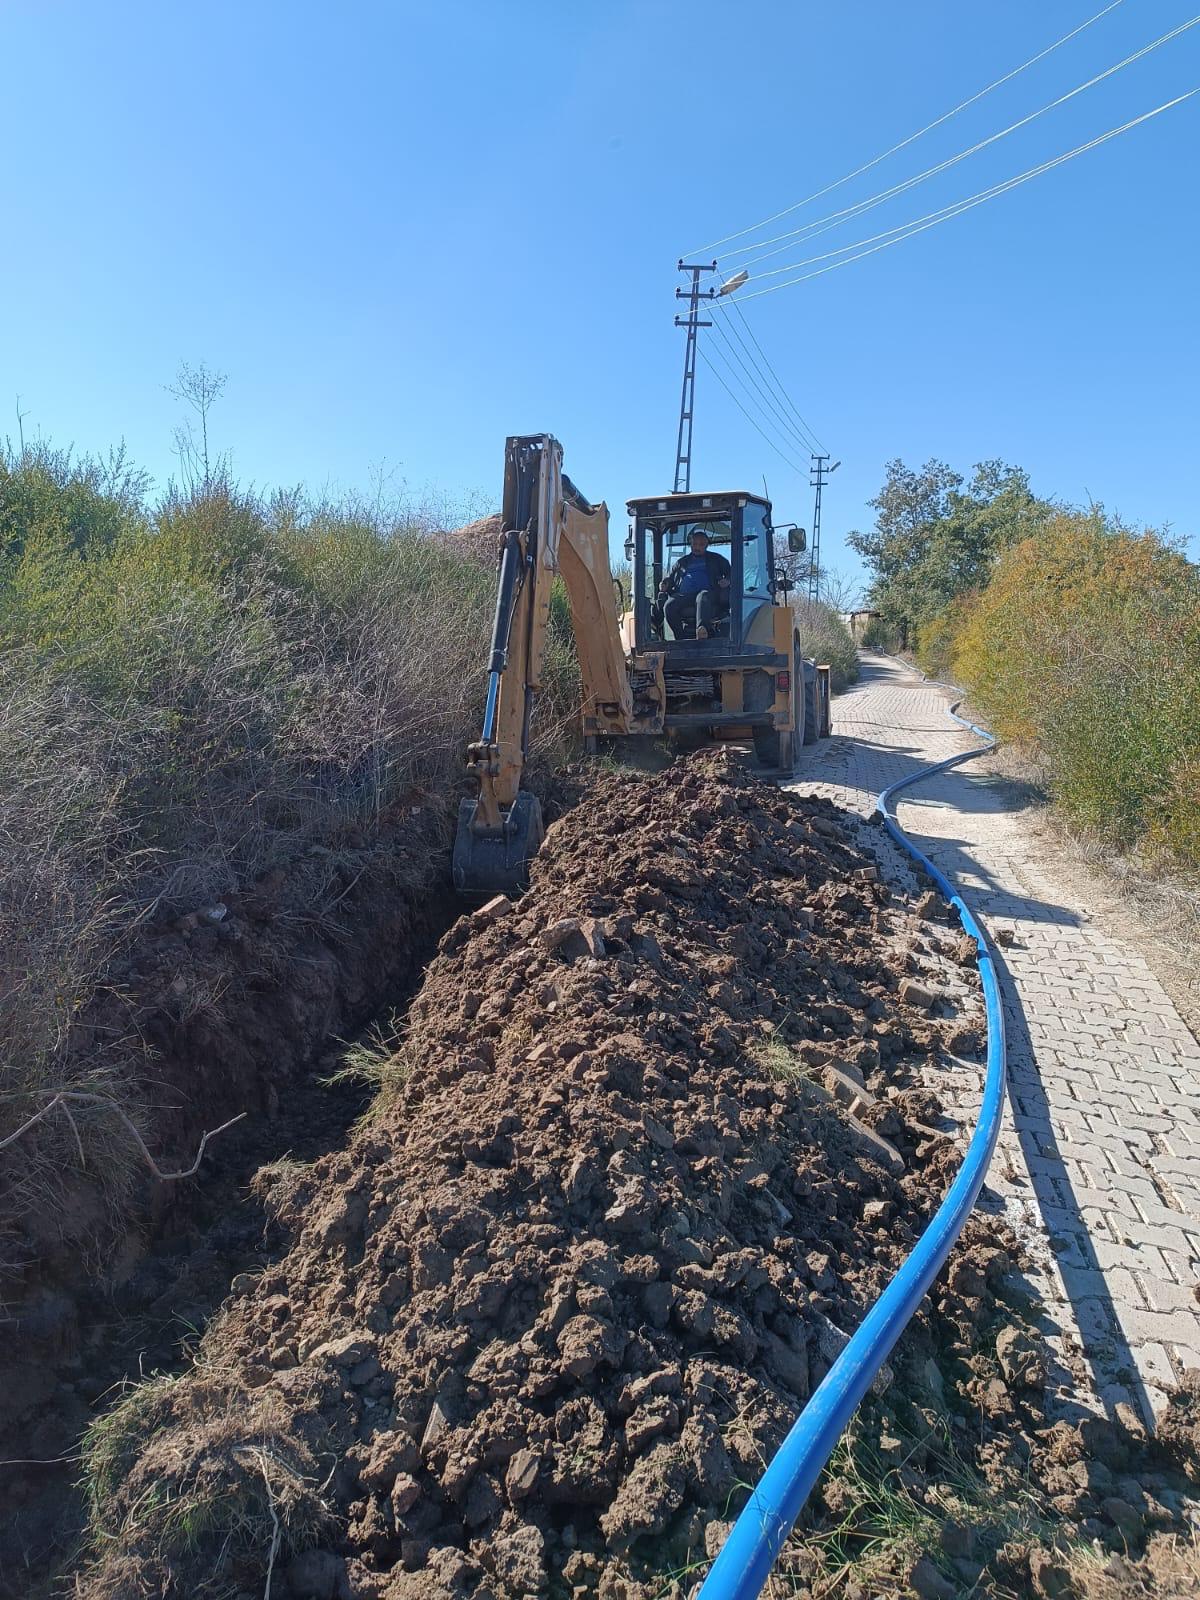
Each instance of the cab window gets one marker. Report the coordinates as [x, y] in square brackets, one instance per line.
[678, 540]
[756, 539]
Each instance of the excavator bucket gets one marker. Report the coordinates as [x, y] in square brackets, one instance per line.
[490, 861]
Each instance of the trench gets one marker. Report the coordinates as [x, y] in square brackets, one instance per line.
[146, 1314]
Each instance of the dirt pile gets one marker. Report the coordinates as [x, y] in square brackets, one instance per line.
[566, 1290]
[476, 541]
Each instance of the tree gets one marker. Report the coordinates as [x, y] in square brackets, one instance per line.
[838, 590]
[792, 565]
[933, 540]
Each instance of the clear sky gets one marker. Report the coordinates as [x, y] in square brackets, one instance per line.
[406, 230]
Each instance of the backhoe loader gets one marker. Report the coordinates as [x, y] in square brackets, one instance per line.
[647, 671]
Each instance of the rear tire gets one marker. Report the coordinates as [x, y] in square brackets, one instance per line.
[812, 705]
[779, 748]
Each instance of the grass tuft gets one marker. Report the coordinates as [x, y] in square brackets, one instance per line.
[243, 1493]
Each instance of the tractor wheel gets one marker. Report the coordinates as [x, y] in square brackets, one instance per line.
[779, 748]
[812, 704]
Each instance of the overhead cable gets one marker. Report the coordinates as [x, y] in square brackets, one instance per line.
[755, 413]
[944, 213]
[834, 219]
[713, 369]
[966, 205]
[754, 373]
[814, 444]
[928, 128]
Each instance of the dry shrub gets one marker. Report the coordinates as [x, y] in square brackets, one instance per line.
[1175, 816]
[937, 639]
[63, 913]
[824, 637]
[191, 695]
[1168, 1570]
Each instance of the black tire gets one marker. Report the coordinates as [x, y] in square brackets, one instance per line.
[812, 704]
[686, 741]
[779, 748]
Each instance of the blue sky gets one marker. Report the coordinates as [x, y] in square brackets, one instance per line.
[406, 230]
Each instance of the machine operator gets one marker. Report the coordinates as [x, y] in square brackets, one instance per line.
[694, 596]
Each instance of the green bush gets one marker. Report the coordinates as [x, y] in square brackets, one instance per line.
[879, 634]
[824, 637]
[82, 504]
[1071, 631]
[1086, 641]
[936, 638]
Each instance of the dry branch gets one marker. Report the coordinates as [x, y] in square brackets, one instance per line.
[62, 1096]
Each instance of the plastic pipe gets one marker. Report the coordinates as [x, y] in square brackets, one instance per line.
[748, 1554]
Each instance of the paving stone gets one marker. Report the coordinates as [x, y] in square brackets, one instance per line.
[1164, 1294]
[1104, 1076]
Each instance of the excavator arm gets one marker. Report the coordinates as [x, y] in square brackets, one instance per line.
[548, 528]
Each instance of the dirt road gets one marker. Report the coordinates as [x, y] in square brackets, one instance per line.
[1099, 1161]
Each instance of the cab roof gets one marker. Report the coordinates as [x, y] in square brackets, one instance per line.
[698, 500]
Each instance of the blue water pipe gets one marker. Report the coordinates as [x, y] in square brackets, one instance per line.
[748, 1554]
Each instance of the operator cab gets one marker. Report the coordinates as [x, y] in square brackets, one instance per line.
[738, 527]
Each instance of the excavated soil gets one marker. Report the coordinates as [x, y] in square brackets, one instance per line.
[658, 1141]
[477, 541]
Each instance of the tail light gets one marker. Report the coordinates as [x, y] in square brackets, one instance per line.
[783, 682]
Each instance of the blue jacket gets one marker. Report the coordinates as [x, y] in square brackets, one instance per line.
[718, 568]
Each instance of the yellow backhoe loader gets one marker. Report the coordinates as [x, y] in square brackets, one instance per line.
[727, 667]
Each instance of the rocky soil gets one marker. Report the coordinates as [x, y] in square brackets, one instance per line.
[656, 1139]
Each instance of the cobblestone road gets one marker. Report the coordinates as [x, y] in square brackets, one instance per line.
[1099, 1160]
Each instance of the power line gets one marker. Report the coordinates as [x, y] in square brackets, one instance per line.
[712, 368]
[928, 128]
[956, 207]
[966, 205]
[781, 417]
[810, 436]
[771, 369]
[834, 219]
[766, 424]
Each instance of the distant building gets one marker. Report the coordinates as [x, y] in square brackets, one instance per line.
[858, 622]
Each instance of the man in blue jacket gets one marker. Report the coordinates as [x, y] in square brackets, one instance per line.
[695, 593]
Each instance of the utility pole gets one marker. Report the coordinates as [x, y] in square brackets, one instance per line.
[694, 295]
[819, 476]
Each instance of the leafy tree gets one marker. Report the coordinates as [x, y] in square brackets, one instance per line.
[934, 540]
